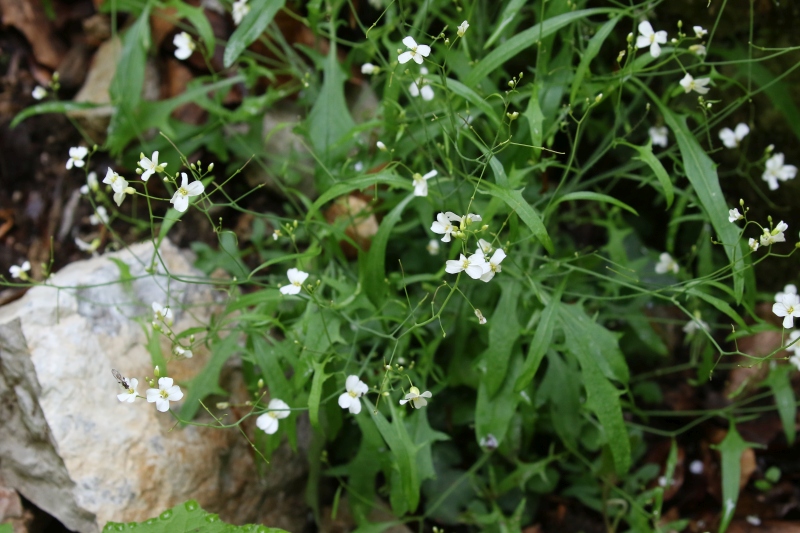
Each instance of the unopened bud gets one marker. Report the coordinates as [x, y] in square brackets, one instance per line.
[598, 98]
[260, 383]
[211, 167]
[680, 24]
[223, 405]
[157, 372]
[629, 38]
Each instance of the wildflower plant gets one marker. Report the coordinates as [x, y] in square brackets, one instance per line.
[467, 340]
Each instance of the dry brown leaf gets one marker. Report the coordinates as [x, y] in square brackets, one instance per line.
[30, 19]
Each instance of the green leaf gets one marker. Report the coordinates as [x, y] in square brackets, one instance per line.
[267, 357]
[591, 51]
[207, 381]
[6, 528]
[595, 341]
[525, 39]
[588, 195]
[315, 395]
[781, 385]
[517, 203]
[186, 517]
[125, 276]
[494, 414]
[253, 25]
[509, 15]
[541, 341]
[646, 155]
[50, 107]
[502, 336]
[721, 306]
[731, 449]
[197, 17]
[459, 89]
[356, 184]
[535, 117]
[126, 87]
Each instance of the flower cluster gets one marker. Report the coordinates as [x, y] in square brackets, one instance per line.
[276, 410]
[166, 392]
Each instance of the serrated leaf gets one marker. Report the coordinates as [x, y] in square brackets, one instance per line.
[253, 25]
[591, 196]
[525, 211]
[207, 381]
[646, 155]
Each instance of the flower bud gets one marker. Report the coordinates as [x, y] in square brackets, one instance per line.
[211, 167]
[598, 98]
[260, 383]
[157, 372]
[223, 405]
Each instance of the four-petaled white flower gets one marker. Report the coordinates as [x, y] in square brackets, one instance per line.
[698, 49]
[648, 37]
[91, 183]
[421, 183]
[130, 393]
[475, 265]
[296, 279]
[181, 197]
[415, 51]
[268, 422]
[776, 171]
[99, 216]
[658, 136]
[481, 318]
[787, 290]
[421, 86]
[118, 184]
[731, 138]
[161, 313]
[417, 400]
[433, 247]
[180, 351]
[462, 28]
[698, 85]
[494, 264]
[443, 225]
[666, 264]
[484, 246]
[699, 32]
[753, 244]
[350, 399]
[39, 92]
[695, 324]
[150, 166]
[76, 155]
[240, 9]
[184, 45]
[734, 215]
[776, 235]
[369, 68]
[166, 392]
[788, 307]
[20, 272]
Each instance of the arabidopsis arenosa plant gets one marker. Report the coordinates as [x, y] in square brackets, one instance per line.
[776, 235]
[88, 247]
[494, 264]
[481, 318]
[788, 289]
[695, 324]
[734, 215]
[130, 393]
[468, 219]
[239, 10]
[699, 32]
[184, 45]
[354, 388]
[76, 155]
[777, 171]
[698, 49]
[150, 166]
[369, 68]
[420, 86]
[753, 244]
[421, 183]
[268, 422]
[794, 347]
[475, 265]
[666, 264]
[731, 138]
[100, 216]
[484, 246]
[180, 351]
[788, 307]
[296, 279]
[443, 225]
[19, 272]
[462, 28]
[118, 184]
[166, 392]
[39, 92]
[647, 37]
[161, 313]
[415, 51]
[433, 247]
[658, 136]
[417, 400]
[181, 197]
[91, 183]
[381, 146]
[698, 85]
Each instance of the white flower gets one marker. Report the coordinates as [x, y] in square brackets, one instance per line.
[415, 51]
[276, 234]
[350, 399]
[752, 243]
[666, 264]
[184, 45]
[696, 467]
[161, 313]
[433, 247]
[444, 225]
[698, 85]
[468, 219]
[776, 235]
[481, 318]
[417, 400]
[484, 246]
[421, 87]
[658, 135]
[462, 28]
[776, 170]
[240, 9]
[731, 138]
[475, 266]
[268, 422]
[753, 520]
[788, 307]
[699, 32]
[165, 393]
[369, 68]
[358, 166]
[734, 215]
[39, 92]
[296, 279]
[789, 289]
[650, 38]
[421, 183]
[180, 351]
[381, 146]
[130, 393]
[118, 184]
[494, 264]
[88, 247]
[19, 272]
[100, 216]
[792, 346]
[76, 155]
[698, 49]
[91, 183]
[695, 324]
[150, 166]
[181, 197]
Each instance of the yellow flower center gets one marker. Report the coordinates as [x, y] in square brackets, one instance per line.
[164, 393]
[183, 192]
[352, 394]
